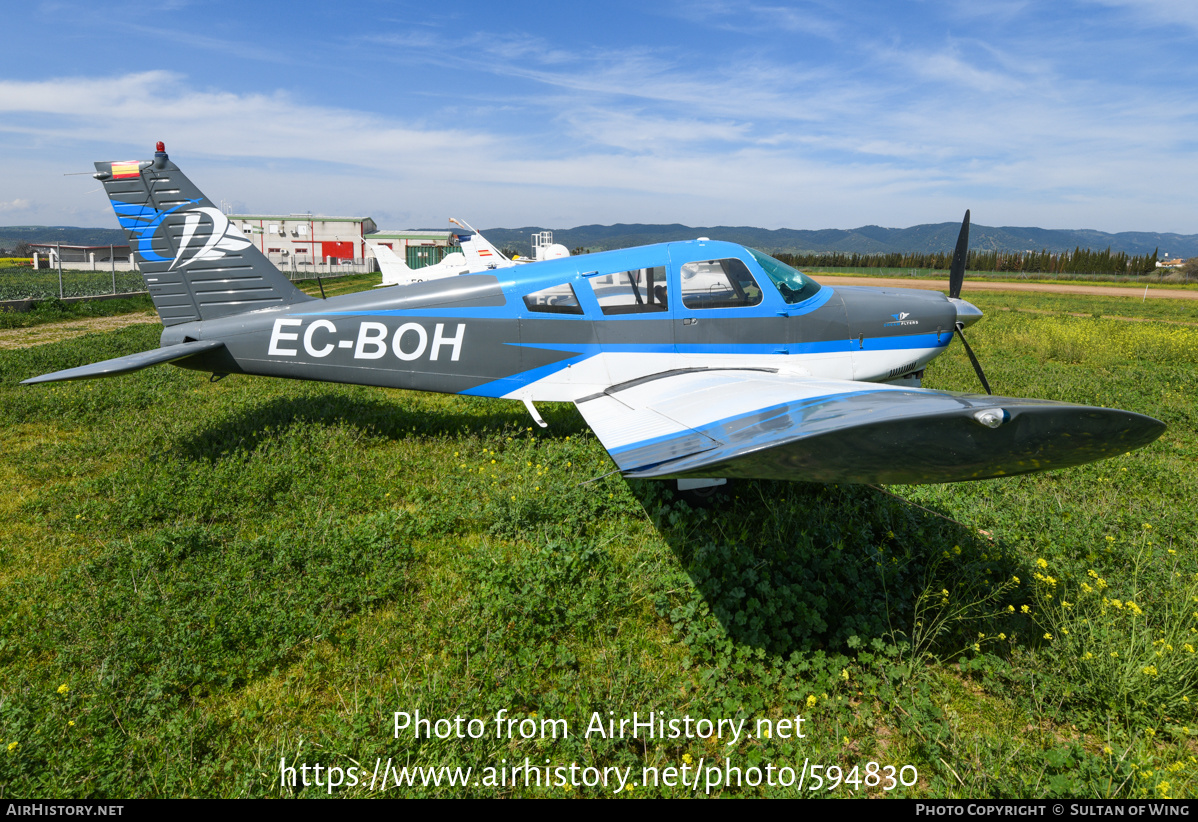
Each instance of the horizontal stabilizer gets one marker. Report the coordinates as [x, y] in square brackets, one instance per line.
[762, 425]
[132, 362]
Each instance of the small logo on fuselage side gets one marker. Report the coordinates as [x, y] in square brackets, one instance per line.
[901, 319]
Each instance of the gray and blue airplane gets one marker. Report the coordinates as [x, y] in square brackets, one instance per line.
[696, 361]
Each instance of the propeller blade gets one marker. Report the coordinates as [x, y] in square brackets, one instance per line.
[977, 366]
[956, 274]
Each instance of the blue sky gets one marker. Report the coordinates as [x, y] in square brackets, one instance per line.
[1069, 114]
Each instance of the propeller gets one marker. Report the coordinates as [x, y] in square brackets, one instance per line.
[956, 278]
[977, 366]
[956, 273]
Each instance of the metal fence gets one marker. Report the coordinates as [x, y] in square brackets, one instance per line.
[23, 283]
[66, 282]
[309, 271]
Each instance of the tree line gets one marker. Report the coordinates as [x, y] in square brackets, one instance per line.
[1078, 261]
[22, 249]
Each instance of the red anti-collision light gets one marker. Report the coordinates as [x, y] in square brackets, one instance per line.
[160, 147]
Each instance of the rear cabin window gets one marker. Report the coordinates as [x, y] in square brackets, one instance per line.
[639, 291]
[719, 284]
[557, 299]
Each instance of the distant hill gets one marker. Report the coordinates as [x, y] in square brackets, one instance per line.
[67, 235]
[870, 239]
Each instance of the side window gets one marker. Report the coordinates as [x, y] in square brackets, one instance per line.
[557, 299]
[719, 284]
[638, 291]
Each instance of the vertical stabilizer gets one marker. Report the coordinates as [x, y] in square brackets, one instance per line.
[395, 270]
[196, 264]
[480, 254]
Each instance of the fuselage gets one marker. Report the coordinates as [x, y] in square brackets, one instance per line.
[563, 329]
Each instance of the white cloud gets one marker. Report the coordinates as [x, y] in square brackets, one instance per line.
[1159, 12]
[727, 147]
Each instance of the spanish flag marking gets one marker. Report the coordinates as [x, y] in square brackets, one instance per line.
[130, 169]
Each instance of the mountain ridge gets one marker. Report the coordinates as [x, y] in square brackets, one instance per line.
[868, 239]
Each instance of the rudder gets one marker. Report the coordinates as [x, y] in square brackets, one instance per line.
[195, 263]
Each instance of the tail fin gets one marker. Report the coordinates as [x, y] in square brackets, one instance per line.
[480, 254]
[395, 270]
[195, 264]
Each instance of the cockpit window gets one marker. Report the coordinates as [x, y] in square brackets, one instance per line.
[719, 284]
[793, 285]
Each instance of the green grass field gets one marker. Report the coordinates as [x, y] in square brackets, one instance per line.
[206, 582]
[1158, 279]
[42, 284]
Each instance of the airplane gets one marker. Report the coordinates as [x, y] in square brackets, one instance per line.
[478, 254]
[693, 361]
[396, 271]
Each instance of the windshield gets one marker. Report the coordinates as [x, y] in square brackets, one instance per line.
[793, 285]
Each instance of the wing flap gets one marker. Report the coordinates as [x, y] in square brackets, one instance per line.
[777, 426]
[130, 362]
[639, 437]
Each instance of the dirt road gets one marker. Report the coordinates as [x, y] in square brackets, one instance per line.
[1154, 291]
[55, 332]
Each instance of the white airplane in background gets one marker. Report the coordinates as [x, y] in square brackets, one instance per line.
[396, 271]
[478, 254]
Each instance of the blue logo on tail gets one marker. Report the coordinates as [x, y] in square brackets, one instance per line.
[141, 221]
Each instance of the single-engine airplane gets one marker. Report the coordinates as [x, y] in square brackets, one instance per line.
[696, 361]
[477, 255]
